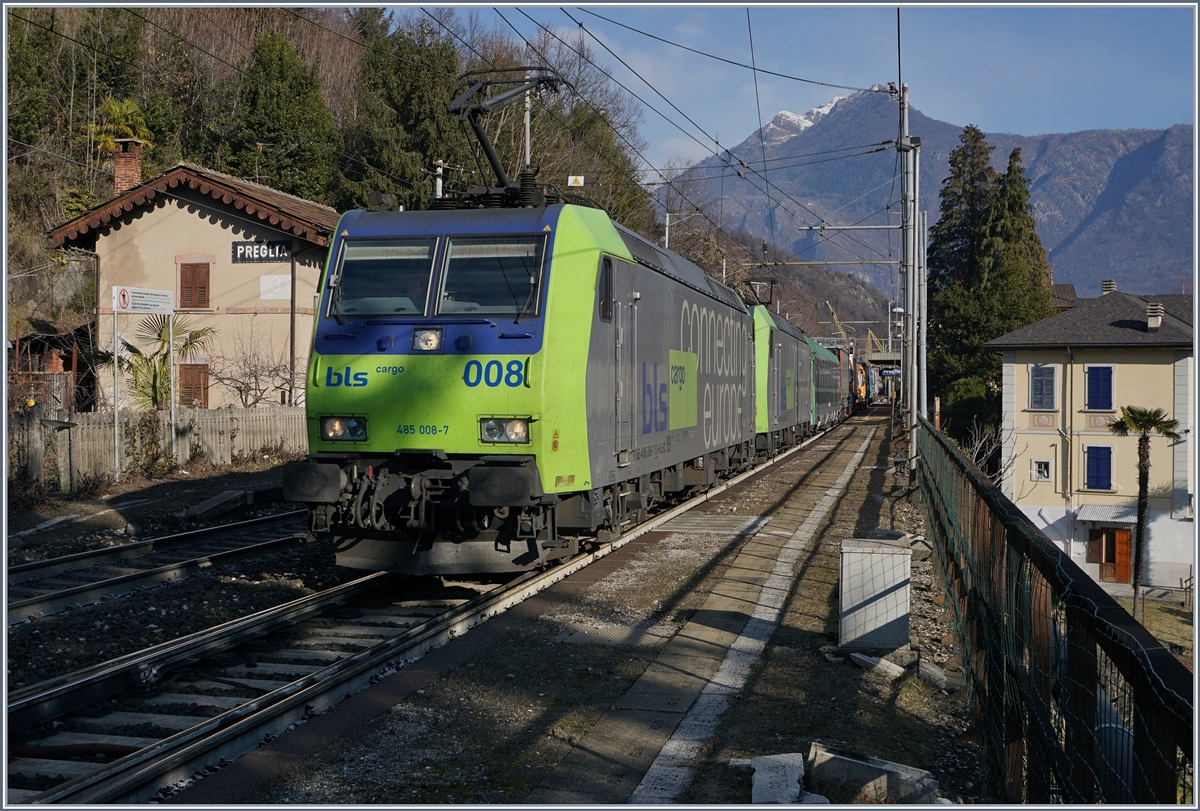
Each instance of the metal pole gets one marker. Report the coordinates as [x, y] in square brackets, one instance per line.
[528, 104]
[171, 343]
[292, 335]
[910, 262]
[922, 275]
[116, 410]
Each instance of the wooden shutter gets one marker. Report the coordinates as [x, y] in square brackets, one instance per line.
[1124, 557]
[1041, 387]
[194, 286]
[1099, 468]
[1095, 547]
[1099, 387]
[193, 385]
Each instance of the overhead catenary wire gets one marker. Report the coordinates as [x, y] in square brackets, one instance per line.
[703, 145]
[722, 59]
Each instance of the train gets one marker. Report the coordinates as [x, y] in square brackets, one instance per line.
[498, 381]
[485, 387]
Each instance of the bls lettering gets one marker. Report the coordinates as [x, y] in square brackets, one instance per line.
[654, 401]
[346, 378]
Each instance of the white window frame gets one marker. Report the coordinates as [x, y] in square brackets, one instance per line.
[1087, 367]
[1033, 470]
[1057, 380]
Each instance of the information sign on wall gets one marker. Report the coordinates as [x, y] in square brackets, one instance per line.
[274, 288]
[277, 251]
[140, 300]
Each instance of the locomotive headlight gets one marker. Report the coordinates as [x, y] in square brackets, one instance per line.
[352, 429]
[504, 430]
[427, 340]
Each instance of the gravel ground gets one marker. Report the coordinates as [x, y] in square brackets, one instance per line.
[491, 730]
[134, 508]
[52, 646]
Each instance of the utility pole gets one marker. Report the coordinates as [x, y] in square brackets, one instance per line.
[912, 347]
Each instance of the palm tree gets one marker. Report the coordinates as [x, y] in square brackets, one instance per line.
[1143, 422]
[121, 119]
[148, 374]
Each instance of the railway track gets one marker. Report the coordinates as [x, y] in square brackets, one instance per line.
[49, 586]
[125, 730]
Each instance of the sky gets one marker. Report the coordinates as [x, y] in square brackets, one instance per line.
[1028, 70]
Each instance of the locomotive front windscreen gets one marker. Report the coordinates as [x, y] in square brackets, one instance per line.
[492, 275]
[384, 276]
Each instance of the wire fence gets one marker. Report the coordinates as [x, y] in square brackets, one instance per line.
[1075, 702]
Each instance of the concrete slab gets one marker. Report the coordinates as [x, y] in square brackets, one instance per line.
[665, 687]
[845, 779]
[610, 761]
[777, 778]
[720, 618]
[71, 738]
[115, 720]
[219, 504]
[35, 766]
[888, 669]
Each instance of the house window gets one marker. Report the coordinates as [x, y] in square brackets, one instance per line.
[1099, 388]
[194, 286]
[1041, 388]
[1098, 468]
[193, 385]
[1040, 470]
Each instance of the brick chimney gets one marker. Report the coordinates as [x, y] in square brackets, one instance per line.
[127, 165]
[1108, 286]
[1154, 314]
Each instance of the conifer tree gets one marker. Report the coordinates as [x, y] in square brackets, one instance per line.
[992, 278]
[965, 194]
[285, 136]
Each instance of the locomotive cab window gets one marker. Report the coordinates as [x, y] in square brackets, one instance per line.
[383, 277]
[492, 275]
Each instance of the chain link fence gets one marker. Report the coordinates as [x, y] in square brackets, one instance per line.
[1074, 701]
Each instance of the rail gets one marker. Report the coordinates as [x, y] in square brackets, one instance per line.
[1074, 701]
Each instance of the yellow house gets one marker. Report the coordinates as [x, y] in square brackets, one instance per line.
[233, 255]
[1066, 378]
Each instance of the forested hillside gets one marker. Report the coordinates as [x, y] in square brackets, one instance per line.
[326, 104]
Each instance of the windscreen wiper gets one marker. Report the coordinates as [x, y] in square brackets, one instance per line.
[530, 300]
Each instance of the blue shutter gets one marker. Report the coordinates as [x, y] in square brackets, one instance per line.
[1041, 387]
[1099, 468]
[1099, 390]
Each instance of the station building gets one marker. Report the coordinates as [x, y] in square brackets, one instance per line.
[1065, 379]
[237, 256]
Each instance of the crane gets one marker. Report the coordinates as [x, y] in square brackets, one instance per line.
[838, 327]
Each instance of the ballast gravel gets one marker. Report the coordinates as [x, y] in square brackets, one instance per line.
[491, 730]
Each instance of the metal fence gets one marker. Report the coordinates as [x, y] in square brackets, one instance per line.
[1075, 702]
[67, 451]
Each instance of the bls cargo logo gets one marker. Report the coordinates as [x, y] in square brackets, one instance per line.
[669, 396]
[346, 378]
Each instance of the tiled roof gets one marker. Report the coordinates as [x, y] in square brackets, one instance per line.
[1062, 296]
[304, 218]
[1114, 321]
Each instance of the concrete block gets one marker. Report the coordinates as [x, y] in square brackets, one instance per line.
[889, 669]
[777, 778]
[931, 673]
[845, 779]
[219, 504]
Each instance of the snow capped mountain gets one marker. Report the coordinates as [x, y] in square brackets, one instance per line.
[786, 125]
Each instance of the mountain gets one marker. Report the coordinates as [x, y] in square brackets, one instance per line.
[1110, 204]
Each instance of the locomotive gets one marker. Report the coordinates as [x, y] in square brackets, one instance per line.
[500, 377]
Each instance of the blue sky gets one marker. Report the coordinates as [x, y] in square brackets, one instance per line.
[1027, 70]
